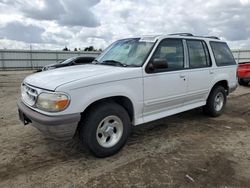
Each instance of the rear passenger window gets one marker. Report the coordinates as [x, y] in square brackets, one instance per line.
[222, 54]
[198, 54]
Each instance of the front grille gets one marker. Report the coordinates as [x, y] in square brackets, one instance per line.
[29, 94]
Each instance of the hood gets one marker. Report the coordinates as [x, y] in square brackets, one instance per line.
[52, 79]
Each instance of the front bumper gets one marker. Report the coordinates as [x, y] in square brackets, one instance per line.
[61, 127]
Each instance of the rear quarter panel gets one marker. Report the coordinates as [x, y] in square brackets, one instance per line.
[228, 73]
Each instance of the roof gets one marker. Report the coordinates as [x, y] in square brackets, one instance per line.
[153, 38]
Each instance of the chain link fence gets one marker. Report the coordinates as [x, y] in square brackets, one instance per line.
[35, 59]
[241, 55]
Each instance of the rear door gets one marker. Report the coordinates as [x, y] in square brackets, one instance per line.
[200, 72]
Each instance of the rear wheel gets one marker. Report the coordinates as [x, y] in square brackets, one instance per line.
[105, 129]
[216, 102]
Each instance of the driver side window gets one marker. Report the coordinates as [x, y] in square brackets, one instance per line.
[171, 50]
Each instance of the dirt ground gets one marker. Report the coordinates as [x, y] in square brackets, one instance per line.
[185, 150]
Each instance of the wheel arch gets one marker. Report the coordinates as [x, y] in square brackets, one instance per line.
[124, 101]
[223, 83]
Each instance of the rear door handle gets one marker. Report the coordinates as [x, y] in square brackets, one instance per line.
[183, 77]
[211, 72]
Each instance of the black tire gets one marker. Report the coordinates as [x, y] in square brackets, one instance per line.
[242, 82]
[210, 107]
[91, 123]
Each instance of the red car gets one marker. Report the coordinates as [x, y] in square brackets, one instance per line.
[243, 73]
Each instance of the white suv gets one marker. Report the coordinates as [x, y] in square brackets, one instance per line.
[134, 81]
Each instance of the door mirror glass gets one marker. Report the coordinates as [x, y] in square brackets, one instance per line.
[158, 63]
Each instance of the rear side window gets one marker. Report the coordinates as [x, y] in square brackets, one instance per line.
[222, 54]
[198, 54]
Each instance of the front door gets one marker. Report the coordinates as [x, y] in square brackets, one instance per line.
[165, 88]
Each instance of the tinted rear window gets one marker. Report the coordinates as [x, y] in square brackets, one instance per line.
[222, 54]
[198, 54]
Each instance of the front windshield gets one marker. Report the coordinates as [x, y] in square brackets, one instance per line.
[130, 52]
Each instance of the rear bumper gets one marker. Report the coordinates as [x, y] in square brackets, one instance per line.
[59, 127]
[246, 79]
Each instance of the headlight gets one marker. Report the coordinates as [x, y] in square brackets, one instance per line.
[52, 102]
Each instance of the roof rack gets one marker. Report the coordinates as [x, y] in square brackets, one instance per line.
[191, 35]
[182, 34]
[210, 37]
[213, 37]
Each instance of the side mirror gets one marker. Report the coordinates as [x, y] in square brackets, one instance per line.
[158, 64]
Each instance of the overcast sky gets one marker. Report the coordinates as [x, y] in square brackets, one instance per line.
[53, 24]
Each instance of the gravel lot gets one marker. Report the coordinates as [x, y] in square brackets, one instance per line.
[185, 150]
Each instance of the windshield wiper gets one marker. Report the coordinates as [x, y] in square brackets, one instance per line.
[113, 62]
[95, 61]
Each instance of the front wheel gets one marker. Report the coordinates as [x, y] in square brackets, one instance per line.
[105, 129]
[216, 102]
